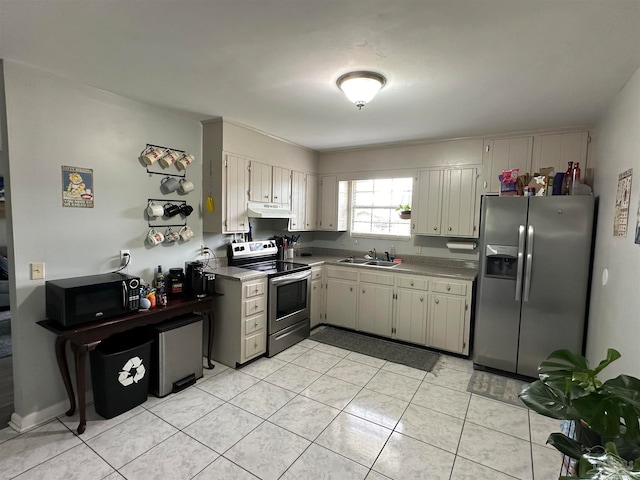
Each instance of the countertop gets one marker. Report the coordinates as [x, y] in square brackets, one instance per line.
[462, 270]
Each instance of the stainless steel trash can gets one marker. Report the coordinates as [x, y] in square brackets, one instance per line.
[176, 355]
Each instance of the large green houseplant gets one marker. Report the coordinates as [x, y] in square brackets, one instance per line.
[567, 389]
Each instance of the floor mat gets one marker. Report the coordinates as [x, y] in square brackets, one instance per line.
[394, 352]
[496, 387]
[5, 337]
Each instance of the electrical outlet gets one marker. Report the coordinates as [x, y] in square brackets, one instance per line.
[418, 249]
[202, 248]
[123, 258]
[37, 271]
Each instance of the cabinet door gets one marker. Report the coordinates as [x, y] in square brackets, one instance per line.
[460, 203]
[328, 202]
[311, 202]
[281, 185]
[375, 309]
[428, 207]
[260, 182]
[298, 201]
[446, 323]
[504, 154]
[341, 303]
[316, 300]
[411, 316]
[556, 150]
[236, 183]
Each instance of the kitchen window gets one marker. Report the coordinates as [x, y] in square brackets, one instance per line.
[373, 207]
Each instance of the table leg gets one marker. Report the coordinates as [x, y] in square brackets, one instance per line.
[80, 356]
[209, 315]
[63, 366]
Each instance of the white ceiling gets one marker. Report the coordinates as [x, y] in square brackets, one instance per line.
[454, 68]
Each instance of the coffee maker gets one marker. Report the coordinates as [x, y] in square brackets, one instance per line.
[198, 282]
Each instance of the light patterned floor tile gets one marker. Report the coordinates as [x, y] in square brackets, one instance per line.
[429, 426]
[377, 408]
[353, 372]
[318, 462]
[305, 417]
[355, 438]
[393, 385]
[496, 450]
[268, 451]
[291, 353]
[366, 359]
[178, 457]
[449, 377]
[442, 399]
[404, 370]
[499, 416]
[338, 352]
[546, 462]
[464, 469]
[308, 343]
[294, 378]
[542, 427]
[223, 469]
[263, 367]
[457, 363]
[228, 384]
[186, 407]
[331, 391]
[403, 459]
[66, 466]
[97, 424]
[263, 399]
[316, 360]
[223, 427]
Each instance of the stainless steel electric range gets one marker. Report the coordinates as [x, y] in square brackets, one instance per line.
[289, 290]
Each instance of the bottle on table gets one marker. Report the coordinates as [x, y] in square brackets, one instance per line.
[567, 181]
[159, 283]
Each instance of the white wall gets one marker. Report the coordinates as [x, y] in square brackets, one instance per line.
[53, 122]
[613, 319]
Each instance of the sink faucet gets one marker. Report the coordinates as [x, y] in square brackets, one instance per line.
[388, 257]
[373, 254]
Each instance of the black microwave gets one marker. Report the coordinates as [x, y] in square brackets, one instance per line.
[78, 300]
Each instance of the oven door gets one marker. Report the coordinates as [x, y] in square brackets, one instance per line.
[289, 299]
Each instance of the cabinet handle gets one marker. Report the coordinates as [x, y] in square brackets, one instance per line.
[413, 226]
[331, 224]
[255, 306]
[448, 287]
[351, 289]
[241, 224]
[437, 301]
[421, 299]
[363, 290]
[255, 324]
[412, 283]
[435, 228]
[275, 198]
[255, 345]
[449, 228]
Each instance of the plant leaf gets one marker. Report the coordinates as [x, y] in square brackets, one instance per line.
[547, 401]
[566, 445]
[612, 356]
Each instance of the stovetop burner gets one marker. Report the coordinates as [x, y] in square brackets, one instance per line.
[263, 257]
[278, 266]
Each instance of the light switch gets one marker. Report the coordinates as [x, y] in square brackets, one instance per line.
[37, 271]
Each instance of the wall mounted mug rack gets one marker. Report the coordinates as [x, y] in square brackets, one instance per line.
[156, 158]
[167, 217]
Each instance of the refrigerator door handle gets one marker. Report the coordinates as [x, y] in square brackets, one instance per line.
[527, 275]
[520, 262]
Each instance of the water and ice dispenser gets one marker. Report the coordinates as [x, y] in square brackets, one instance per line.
[501, 261]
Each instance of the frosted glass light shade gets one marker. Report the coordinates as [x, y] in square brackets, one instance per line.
[361, 87]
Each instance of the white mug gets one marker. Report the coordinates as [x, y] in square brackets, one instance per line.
[185, 161]
[170, 236]
[186, 186]
[186, 233]
[154, 237]
[155, 209]
[151, 154]
[169, 158]
[169, 185]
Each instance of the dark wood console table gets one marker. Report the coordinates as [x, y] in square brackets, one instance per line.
[85, 338]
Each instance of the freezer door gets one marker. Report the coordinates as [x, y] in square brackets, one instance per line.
[497, 321]
[556, 277]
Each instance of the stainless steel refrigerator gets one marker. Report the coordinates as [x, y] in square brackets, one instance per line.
[533, 280]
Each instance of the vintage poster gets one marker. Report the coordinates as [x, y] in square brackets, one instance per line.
[622, 204]
[77, 187]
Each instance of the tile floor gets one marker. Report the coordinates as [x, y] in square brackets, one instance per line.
[314, 411]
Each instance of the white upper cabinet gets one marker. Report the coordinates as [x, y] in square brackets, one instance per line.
[311, 202]
[505, 154]
[556, 150]
[304, 201]
[281, 185]
[333, 204]
[269, 184]
[445, 203]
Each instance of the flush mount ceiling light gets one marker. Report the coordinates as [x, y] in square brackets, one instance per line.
[361, 87]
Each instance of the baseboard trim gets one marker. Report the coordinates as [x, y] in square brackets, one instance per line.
[23, 424]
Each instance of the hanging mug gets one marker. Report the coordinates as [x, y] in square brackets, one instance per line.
[171, 236]
[151, 154]
[169, 158]
[154, 237]
[186, 210]
[155, 209]
[186, 186]
[186, 233]
[169, 185]
[185, 161]
[171, 210]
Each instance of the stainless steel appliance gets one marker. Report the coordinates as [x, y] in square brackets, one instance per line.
[198, 282]
[289, 292]
[535, 265]
[73, 301]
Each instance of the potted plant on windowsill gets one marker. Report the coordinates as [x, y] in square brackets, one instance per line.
[607, 415]
[404, 211]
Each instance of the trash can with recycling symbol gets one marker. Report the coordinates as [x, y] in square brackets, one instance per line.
[120, 372]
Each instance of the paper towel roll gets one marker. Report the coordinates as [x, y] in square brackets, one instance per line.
[461, 245]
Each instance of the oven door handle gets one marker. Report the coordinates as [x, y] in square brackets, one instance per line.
[294, 277]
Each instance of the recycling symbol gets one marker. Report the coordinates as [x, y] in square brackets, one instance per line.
[132, 372]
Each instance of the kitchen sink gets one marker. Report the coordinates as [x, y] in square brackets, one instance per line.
[382, 263]
[357, 261]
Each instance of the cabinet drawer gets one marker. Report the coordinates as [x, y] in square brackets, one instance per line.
[316, 273]
[377, 278]
[451, 288]
[414, 282]
[255, 345]
[343, 273]
[255, 323]
[252, 289]
[254, 305]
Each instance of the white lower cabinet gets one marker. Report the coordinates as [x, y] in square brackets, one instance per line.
[316, 296]
[430, 311]
[240, 320]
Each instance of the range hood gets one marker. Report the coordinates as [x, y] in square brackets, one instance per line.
[269, 210]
